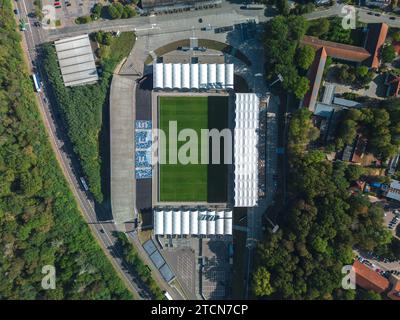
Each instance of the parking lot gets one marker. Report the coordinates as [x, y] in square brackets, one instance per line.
[68, 10]
[392, 219]
[382, 266]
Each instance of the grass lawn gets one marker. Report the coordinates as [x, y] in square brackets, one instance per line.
[192, 182]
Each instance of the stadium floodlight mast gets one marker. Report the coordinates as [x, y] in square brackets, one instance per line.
[275, 227]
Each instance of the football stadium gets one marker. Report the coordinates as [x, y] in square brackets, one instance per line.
[194, 97]
[193, 146]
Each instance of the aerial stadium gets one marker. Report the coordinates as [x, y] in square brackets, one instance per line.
[200, 96]
[186, 196]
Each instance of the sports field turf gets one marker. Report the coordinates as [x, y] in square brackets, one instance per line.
[192, 182]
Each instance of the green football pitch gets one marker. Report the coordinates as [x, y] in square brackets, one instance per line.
[192, 182]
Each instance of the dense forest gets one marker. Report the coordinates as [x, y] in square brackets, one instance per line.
[320, 225]
[40, 223]
[82, 107]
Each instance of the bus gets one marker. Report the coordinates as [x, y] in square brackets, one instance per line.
[36, 82]
[167, 295]
[84, 185]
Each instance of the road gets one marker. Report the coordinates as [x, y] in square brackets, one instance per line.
[228, 14]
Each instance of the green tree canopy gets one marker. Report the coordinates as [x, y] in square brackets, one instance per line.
[305, 56]
[261, 283]
[388, 53]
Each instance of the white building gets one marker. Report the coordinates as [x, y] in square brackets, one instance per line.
[76, 60]
[245, 150]
[192, 223]
[193, 76]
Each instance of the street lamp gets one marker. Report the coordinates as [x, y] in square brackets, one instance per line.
[275, 227]
[280, 78]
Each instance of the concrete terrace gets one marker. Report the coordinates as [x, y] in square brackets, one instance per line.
[122, 117]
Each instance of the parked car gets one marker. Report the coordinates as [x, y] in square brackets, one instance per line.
[392, 18]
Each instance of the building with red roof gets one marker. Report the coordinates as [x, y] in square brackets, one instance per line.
[315, 77]
[338, 50]
[369, 279]
[369, 56]
[394, 294]
[376, 37]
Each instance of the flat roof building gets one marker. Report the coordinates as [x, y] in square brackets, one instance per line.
[394, 190]
[245, 150]
[192, 223]
[76, 60]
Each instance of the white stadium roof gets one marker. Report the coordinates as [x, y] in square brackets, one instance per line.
[192, 76]
[206, 223]
[76, 60]
[246, 152]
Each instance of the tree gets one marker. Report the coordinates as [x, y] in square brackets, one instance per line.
[97, 11]
[283, 7]
[318, 27]
[396, 36]
[362, 71]
[346, 74]
[261, 283]
[370, 295]
[115, 10]
[354, 172]
[297, 27]
[38, 13]
[388, 53]
[128, 12]
[107, 39]
[305, 56]
[347, 131]
[83, 19]
[337, 33]
[301, 87]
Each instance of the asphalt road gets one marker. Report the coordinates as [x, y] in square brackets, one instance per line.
[228, 14]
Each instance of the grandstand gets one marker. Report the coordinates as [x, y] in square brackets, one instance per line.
[205, 223]
[211, 76]
[246, 152]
